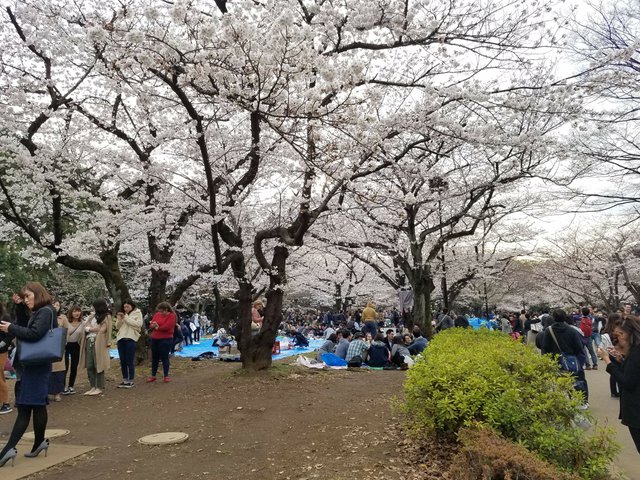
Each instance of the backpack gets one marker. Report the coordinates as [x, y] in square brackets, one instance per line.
[586, 325]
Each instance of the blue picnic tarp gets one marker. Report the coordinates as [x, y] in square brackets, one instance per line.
[477, 323]
[191, 351]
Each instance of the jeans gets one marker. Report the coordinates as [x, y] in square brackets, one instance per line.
[96, 379]
[127, 354]
[71, 360]
[160, 349]
[581, 385]
[597, 338]
[591, 352]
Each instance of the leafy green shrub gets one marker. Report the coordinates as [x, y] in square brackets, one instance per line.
[484, 454]
[470, 378]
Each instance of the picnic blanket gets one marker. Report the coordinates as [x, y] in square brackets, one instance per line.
[191, 351]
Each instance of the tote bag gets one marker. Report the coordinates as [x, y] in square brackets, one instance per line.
[49, 348]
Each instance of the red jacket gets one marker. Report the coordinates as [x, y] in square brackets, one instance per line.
[166, 324]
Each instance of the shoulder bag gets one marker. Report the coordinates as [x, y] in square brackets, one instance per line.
[50, 348]
[570, 363]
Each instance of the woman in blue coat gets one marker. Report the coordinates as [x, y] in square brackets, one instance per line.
[32, 394]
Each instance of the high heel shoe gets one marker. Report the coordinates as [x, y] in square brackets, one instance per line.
[10, 455]
[43, 446]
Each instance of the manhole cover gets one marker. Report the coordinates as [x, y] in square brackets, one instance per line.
[53, 433]
[165, 438]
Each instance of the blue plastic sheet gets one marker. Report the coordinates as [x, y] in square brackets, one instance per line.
[477, 323]
[190, 351]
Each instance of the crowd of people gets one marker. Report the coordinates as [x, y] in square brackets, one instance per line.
[363, 337]
[88, 341]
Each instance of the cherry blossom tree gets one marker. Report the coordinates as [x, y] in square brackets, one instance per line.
[177, 122]
[593, 266]
[605, 47]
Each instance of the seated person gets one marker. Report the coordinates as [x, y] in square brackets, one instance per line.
[419, 342]
[299, 340]
[343, 343]
[357, 347]
[223, 340]
[379, 355]
[329, 346]
[461, 322]
[398, 351]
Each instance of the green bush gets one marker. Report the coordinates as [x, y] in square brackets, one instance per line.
[470, 378]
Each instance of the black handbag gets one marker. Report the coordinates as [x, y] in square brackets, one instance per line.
[50, 348]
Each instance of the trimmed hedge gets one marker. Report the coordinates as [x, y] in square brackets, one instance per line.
[478, 378]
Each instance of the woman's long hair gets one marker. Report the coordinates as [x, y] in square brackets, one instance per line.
[102, 309]
[631, 325]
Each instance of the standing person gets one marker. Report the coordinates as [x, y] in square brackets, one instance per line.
[128, 324]
[58, 370]
[5, 340]
[72, 349]
[94, 346]
[586, 326]
[561, 338]
[257, 315]
[606, 338]
[626, 371]
[178, 338]
[368, 317]
[32, 393]
[195, 321]
[162, 326]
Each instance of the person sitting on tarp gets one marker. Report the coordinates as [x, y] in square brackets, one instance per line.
[329, 346]
[399, 351]
[379, 354]
[222, 340]
[419, 342]
[299, 340]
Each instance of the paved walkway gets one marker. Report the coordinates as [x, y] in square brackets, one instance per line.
[26, 466]
[606, 410]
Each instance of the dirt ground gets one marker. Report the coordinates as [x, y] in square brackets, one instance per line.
[285, 424]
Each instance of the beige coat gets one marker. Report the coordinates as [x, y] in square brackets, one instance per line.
[103, 343]
[59, 366]
[129, 326]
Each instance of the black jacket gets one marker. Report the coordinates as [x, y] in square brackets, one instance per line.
[567, 336]
[5, 338]
[22, 319]
[627, 375]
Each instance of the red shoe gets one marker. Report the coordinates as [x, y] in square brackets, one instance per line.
[151, 379]
[166, 379]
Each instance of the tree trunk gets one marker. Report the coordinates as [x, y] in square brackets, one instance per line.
[421, 313]
[337, 306]
[257, 347]
[157, 288]
[218, 300]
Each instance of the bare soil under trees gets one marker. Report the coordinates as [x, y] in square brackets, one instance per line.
[287, 423]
